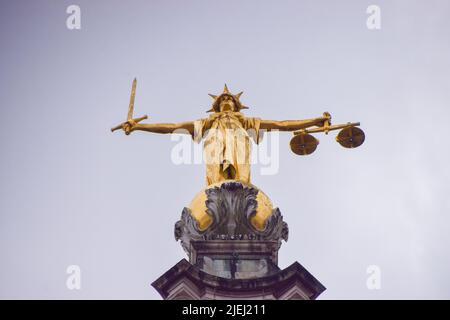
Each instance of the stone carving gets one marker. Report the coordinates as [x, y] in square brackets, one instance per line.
[231, 207]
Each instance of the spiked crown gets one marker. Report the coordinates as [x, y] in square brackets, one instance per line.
[216, 100]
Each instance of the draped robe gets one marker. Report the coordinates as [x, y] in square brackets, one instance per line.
[227, 145]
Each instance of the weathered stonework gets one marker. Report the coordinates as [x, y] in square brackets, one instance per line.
[231, 258]
[186, 281]
[231, 206]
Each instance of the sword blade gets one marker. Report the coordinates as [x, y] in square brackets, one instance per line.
[133, 94]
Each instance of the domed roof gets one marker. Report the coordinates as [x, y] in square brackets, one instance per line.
[230, 210]
[199, 212]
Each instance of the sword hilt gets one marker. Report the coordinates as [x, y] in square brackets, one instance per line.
[122, 125]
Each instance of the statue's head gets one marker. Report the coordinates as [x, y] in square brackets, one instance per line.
[227, 102]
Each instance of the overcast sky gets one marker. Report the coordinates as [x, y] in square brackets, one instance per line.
[73, 193]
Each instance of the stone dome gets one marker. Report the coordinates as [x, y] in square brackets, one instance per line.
[230, 210]
[199, 212]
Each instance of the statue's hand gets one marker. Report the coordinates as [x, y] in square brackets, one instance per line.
[129, 126]
[326, 119]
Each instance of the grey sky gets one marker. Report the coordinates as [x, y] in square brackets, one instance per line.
[73, 193]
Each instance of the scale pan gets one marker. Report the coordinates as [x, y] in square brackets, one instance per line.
[350, 137]
[303, 144]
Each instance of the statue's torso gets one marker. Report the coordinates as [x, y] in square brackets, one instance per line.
[226, 120]
[226, 143]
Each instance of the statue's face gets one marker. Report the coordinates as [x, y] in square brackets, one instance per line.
[227, 103]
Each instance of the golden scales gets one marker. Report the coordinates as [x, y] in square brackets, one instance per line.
[303, 143]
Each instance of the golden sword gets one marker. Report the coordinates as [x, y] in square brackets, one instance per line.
[126, 125]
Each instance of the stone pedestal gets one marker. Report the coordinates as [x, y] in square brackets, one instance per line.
[185, 281]
[232, 244]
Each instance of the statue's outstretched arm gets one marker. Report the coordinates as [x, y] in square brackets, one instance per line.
[133, 124]
[292, 125]
[182, 127]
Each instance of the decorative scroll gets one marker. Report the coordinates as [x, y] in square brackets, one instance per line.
[231, 207]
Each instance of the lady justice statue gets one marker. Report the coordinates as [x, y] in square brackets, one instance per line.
[231, 229]
[227, 133]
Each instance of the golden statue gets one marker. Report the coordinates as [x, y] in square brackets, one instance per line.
[227, 133]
